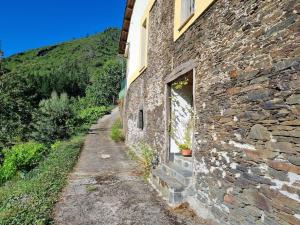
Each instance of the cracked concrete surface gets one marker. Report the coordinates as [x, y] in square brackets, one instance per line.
[104, 188]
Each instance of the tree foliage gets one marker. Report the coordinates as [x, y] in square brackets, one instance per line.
[53, 119]
[17, 101]
[106, 84]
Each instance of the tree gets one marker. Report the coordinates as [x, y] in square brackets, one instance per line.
[17, 100]
[106, 85]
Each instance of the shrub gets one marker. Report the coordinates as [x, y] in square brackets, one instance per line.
[54, 119]
[91, 114]
[116, 132]
[21, 157]
[30, 201]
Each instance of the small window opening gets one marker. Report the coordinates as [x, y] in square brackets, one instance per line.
[141, 119]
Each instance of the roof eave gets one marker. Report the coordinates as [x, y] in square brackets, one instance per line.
[126, 25]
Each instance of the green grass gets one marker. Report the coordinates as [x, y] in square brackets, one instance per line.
[30, 200]
[116, 132]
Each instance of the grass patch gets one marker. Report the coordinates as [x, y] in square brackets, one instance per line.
[116, 132]
[91, 188]
[30, 200]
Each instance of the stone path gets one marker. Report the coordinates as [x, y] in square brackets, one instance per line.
[104, 188]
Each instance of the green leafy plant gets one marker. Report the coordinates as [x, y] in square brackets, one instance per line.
[180, 84]
[183, 146]
[30, 200]
[187, 142]
[54, 119]
[146, 161]
[144, 158]
[116, 132]
[90, 115]
[21, 157]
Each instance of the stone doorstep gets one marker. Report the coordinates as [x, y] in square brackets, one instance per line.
[171, 189]
[179, 173]
[184, 162]
[172, 180]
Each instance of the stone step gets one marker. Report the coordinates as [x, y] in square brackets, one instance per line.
[185, 162]
[178, 172]
[168, 186]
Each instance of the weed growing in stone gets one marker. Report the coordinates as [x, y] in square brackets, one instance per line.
[144, 158]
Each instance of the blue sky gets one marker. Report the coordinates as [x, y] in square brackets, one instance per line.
[27, 24]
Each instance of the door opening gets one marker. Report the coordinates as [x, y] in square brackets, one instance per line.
[181, 114]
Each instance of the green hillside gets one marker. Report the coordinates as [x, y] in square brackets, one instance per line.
[91, 52]
[50, 65]
[87, 70]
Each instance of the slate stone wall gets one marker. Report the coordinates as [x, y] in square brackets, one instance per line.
[247, 148]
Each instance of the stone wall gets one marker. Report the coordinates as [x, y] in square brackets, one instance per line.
[247, 148]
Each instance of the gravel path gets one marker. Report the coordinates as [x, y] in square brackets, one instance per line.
[104, 188]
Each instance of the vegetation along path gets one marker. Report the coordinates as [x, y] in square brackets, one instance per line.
[104, 188]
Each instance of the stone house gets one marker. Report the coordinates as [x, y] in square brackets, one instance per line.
[222, 76]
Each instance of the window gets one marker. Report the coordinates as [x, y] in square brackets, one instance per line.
[141, 119]
[187, 11]
[143, 54]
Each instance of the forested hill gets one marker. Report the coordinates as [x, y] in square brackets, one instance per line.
[87, 70]
[91, 52]
[86, 56]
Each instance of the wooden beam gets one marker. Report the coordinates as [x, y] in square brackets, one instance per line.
[126, 25]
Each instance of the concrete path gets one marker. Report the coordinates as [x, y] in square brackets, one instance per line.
[104, 188]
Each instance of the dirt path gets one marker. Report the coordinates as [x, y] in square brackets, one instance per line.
[104, 188]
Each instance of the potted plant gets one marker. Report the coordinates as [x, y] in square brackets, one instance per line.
[185, 150]
[185, 144]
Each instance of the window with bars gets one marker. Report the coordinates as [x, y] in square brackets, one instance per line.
[187, 10]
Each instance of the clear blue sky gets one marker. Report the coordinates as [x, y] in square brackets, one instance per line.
[27, 24]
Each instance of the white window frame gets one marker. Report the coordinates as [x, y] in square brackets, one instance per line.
[187, 11]
[144, 45]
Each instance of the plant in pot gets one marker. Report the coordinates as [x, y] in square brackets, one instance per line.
[185, 150]
[185, 147]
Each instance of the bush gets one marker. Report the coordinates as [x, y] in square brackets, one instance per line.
[30, 201]
[54, 119]
[21, 157]
[91, 114]
[116, 132]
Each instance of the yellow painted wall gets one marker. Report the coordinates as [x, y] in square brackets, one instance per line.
[140, 69]
[200, 7]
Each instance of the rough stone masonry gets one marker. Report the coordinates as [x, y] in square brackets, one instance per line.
[247, 148]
